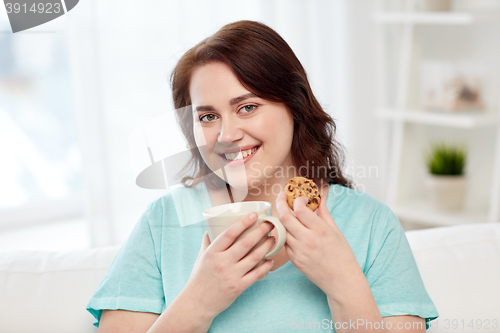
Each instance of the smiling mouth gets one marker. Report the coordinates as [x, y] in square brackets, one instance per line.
[240, 155]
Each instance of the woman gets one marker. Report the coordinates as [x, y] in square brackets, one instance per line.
[347, 266]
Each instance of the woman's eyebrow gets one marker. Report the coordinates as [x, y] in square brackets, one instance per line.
[241, 98]
[205, 108]
[233, 101]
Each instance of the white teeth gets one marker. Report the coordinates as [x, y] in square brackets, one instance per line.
[240, 155]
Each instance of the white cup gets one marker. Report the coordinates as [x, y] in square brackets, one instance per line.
[219, 218]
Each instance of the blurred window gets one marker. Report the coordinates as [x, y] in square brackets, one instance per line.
[40, 162]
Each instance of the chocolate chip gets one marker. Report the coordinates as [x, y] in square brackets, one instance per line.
[314, 200]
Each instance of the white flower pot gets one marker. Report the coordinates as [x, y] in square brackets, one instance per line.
[434, 5]
[446, 193]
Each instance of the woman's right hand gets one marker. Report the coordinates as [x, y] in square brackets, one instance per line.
[224, 269]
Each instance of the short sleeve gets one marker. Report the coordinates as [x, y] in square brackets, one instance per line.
[393, 275]
[133, 281]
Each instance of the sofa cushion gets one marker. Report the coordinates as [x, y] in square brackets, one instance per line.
[460, 267]
[42, 291]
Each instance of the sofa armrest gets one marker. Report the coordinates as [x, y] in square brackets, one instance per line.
[42, 291]
[460, 267]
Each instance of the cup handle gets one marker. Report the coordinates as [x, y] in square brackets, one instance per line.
[280, 242]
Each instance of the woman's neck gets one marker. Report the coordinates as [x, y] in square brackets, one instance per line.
[268, 190]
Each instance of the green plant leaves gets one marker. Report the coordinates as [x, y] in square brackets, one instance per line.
[446, 159]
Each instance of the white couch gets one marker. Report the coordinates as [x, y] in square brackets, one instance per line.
[48, 291]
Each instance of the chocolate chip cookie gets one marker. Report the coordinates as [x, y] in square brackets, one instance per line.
[302, 187]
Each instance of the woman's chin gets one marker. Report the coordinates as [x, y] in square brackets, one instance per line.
[237, 178]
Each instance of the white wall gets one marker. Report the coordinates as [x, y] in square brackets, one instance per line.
[365, 133]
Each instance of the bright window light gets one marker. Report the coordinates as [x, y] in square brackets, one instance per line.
[39, 157]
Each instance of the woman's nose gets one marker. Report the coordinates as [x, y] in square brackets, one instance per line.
[230, 131]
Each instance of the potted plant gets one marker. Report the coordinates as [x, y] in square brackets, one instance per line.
[446, 181]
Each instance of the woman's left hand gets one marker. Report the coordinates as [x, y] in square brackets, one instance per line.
[315, 244]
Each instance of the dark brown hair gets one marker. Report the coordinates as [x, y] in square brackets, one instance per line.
[265, 65]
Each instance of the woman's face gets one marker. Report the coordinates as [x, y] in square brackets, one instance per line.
[250, 136]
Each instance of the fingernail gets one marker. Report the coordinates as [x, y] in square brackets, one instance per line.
[253, 216]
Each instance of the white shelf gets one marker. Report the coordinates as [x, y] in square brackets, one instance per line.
[460, 120]
[409, 55]
[421, 212]
[442, 18]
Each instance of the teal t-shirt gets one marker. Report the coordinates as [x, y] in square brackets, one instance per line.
[155, 262]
